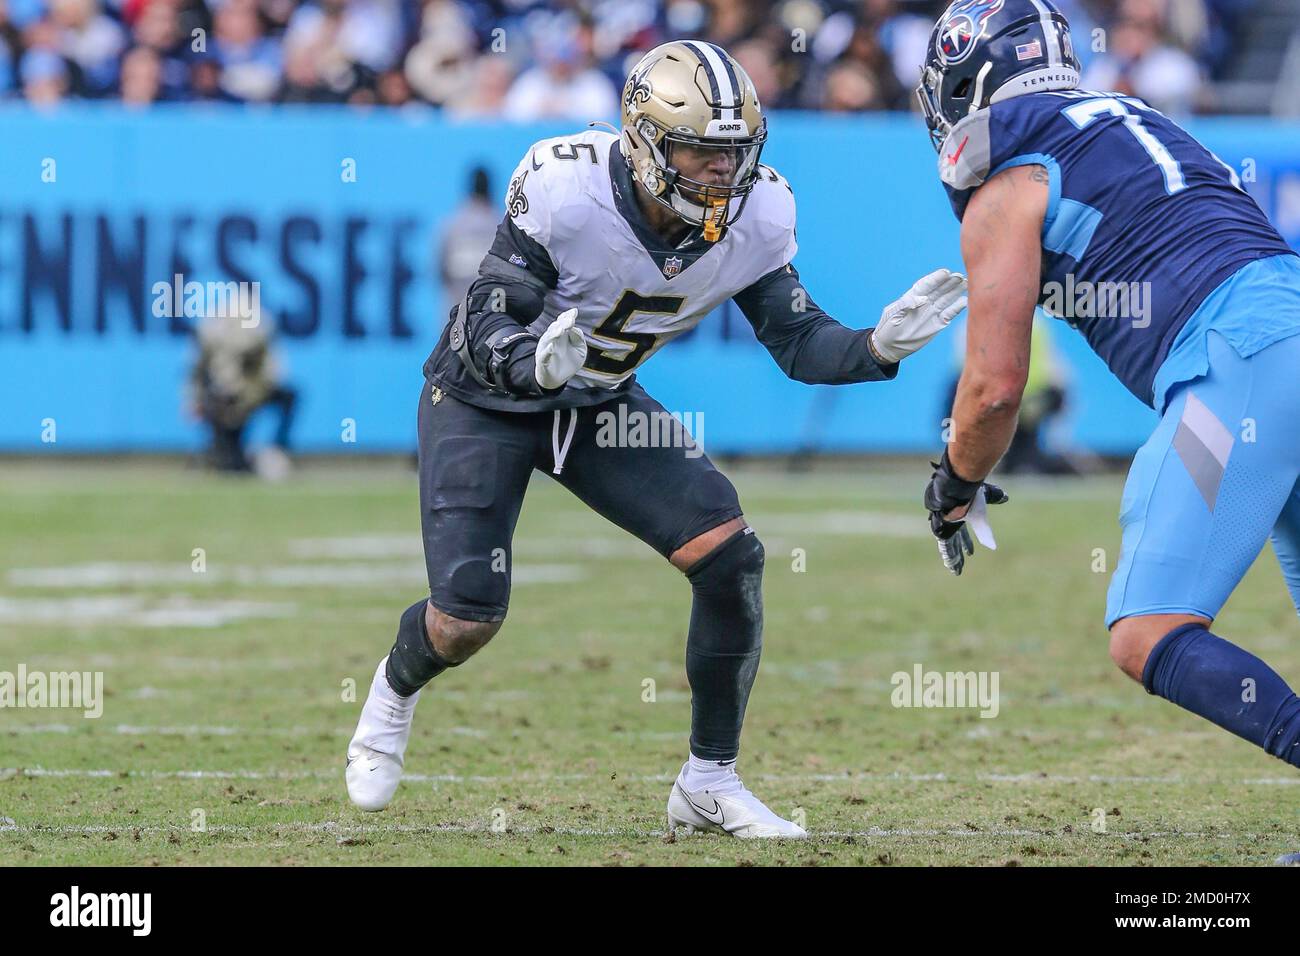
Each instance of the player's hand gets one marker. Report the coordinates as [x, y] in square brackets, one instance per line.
[953, 548]
[561, 351]
[947, 498]
[920, 315]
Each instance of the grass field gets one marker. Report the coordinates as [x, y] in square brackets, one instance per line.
[226, 712]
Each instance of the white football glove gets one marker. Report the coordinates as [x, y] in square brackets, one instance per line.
[561, 351]
[919, 316]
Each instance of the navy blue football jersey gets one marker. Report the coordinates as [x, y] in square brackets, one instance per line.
[1143, 222]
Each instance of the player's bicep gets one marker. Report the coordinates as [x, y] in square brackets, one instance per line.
[512, 283]
[511, 244]
[1001, 244]
[777, 305]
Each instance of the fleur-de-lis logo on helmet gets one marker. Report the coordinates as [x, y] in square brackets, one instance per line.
[636, 90]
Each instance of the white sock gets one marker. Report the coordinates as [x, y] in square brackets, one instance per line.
[701, 774]
[384, 691]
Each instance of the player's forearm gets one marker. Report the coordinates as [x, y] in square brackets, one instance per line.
[1001, 244]
[808, 345]
[828, 353]
[983, 423]
[503, 301]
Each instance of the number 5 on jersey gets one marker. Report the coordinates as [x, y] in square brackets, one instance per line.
[640, 344]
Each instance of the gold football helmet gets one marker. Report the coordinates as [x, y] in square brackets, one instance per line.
[689, 94]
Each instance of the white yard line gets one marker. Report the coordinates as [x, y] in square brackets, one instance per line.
[349, 829]
[208, 730]
[112, 574]
[371, 547]
[230, 730]
[542, 778]
[860, 524]
[137, 611]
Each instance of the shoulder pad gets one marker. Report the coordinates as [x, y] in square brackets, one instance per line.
[773, 199]
[769, 217]
[552, 183]
[964, 156]
[767, 174]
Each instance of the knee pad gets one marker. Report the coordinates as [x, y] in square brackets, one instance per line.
[475, 589]
[733, 562]
[728, 586]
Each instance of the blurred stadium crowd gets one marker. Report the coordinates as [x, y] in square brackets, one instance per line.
[520, 59]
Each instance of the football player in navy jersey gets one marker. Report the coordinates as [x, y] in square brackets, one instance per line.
[1112, 217]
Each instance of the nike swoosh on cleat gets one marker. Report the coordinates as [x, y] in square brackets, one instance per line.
[715, 815]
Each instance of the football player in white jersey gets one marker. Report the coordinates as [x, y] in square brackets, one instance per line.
[612, 245]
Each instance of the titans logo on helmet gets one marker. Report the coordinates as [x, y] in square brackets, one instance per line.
[963, 25]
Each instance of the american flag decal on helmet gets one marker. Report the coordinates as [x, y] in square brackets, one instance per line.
[1029, 51]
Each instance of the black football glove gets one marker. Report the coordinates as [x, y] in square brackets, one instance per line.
[946, 491]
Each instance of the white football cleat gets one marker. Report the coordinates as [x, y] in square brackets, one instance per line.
[272, 464]
[728, 807]
[378, 748]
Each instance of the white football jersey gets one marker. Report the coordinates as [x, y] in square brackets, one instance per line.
[629, 306]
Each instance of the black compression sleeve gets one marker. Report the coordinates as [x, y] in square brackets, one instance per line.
[508, 294]
[807, 344]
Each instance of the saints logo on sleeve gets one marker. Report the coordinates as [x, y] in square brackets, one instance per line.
[516, 200]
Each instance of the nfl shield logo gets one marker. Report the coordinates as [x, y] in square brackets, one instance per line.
[672, 266]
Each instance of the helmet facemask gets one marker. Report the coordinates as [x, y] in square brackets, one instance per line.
[930, 93]
[708, 205]
[927, 93]
[683, 99]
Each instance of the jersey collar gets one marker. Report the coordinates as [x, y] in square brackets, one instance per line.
[671, 260]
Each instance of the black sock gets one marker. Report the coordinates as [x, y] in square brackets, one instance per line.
[413, 662]
[724, 642]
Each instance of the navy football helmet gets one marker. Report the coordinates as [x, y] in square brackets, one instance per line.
[985, 51]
